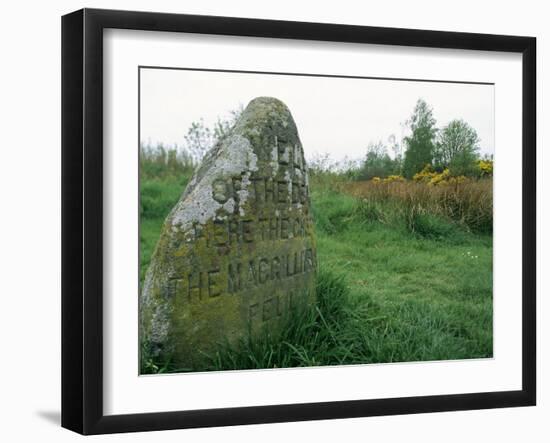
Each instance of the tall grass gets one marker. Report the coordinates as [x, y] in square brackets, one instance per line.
[310, 336]
[470, 203]
[159, 161]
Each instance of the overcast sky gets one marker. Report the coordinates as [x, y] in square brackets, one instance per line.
[340, 116]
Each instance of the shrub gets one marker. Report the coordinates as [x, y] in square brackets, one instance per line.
[430, 226]
[368, 211]
[485, 168]
[440, 178]
[394, 178]
[425, 175]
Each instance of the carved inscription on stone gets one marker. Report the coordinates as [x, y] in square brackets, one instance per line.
[237, 252]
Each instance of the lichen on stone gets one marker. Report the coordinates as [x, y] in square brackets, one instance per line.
[235, 156]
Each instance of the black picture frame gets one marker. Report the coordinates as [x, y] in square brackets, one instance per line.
[82, 218]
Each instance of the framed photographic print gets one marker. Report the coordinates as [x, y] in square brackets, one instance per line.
[269, 221]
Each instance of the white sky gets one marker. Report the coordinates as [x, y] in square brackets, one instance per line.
[335, 115]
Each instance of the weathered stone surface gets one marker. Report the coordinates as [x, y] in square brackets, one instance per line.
[238, 251]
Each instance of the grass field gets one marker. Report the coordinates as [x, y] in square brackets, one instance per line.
[394, 284]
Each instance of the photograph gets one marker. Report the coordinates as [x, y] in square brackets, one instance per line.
[303, 220]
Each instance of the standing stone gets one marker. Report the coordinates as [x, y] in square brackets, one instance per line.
[237, 252]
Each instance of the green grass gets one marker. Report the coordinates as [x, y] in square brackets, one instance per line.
[399, 289]
[157, 198]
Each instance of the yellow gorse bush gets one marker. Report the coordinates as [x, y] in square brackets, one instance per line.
[431, 177]
[426, 175]
[440, 178]
[485, 168]
[394, 178]
[389, 179]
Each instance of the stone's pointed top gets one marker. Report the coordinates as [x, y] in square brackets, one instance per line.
[267, 101]
[263, 124]
[266, 107]
[265, 120]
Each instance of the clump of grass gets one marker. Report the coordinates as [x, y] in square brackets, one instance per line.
[309, 336]
[431, 226]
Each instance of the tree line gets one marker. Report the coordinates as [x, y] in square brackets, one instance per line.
[455, 148]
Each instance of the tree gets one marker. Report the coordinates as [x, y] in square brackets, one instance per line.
[223, 126]
[457, 148]
[377, 162]
[421, 143]
[200, 138]
[397, 157]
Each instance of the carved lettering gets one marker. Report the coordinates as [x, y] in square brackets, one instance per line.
[283, 152]
[263, 270]
[194, 287]
[220, 191]
[213, 289]
[234, 277]
[248, 231]
[282, 190]
[267, 309]
[269, 190]
[275, 268]
[252, 274]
